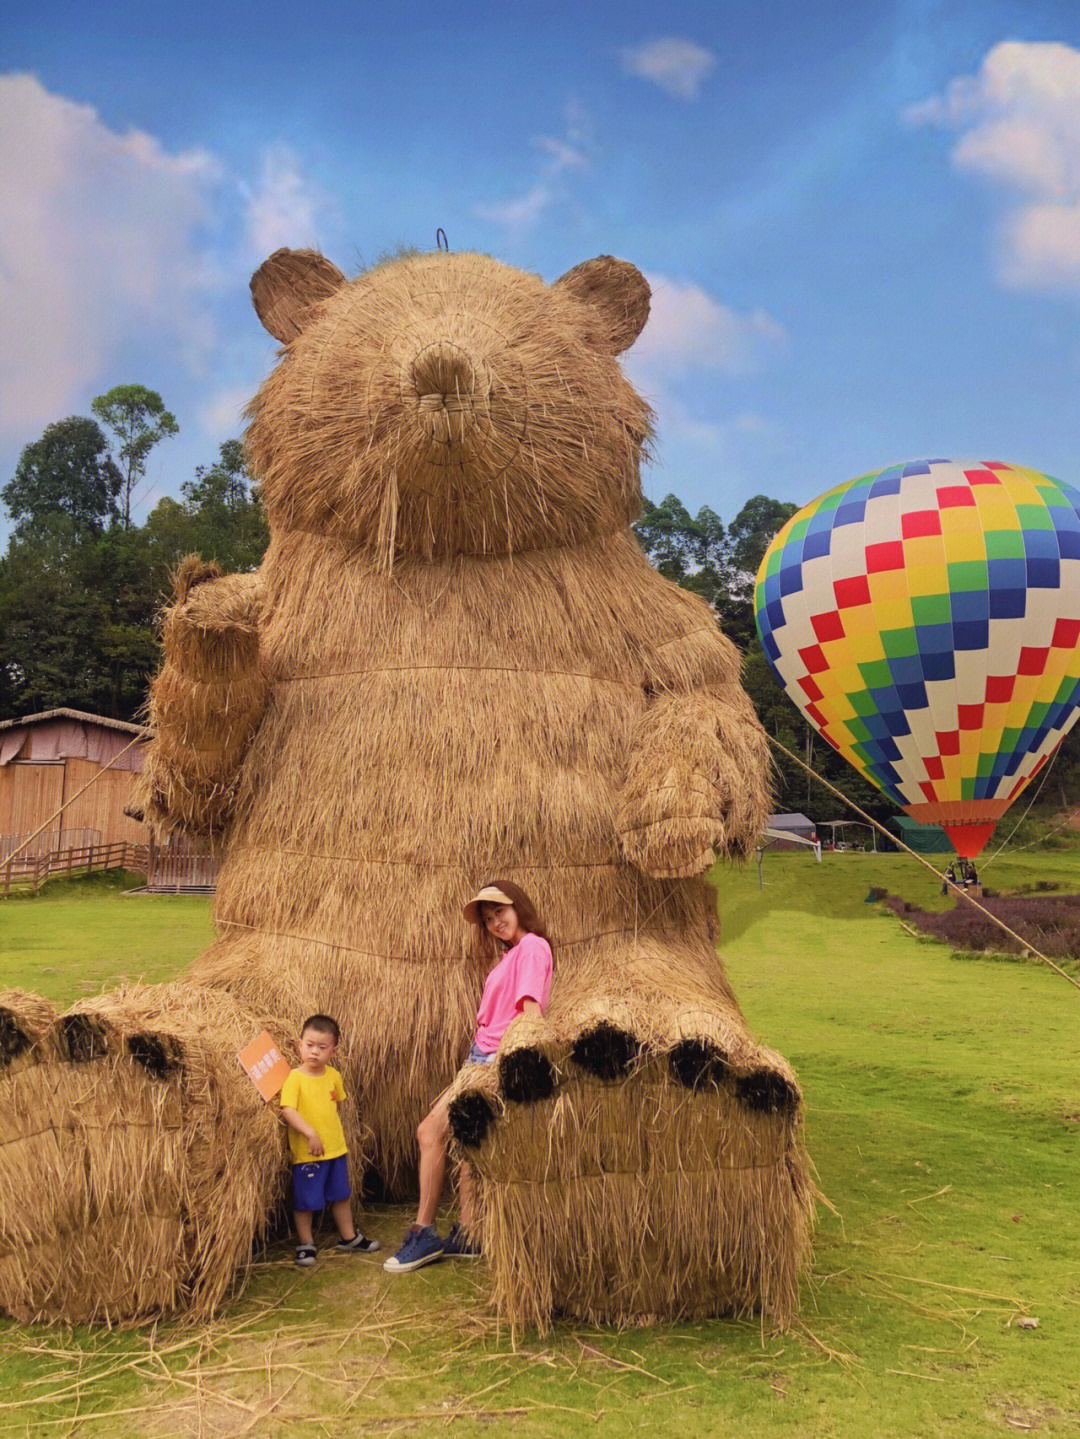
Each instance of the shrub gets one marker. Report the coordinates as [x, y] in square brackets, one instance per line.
[1050, 923]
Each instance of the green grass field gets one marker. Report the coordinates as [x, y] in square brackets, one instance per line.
[943, 1117]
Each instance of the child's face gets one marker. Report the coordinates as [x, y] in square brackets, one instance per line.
[317, 1048]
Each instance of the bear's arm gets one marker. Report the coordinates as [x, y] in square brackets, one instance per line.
[697, 778]
[205, 702]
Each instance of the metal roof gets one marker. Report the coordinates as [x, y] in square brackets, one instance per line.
[82, 715]
[790, 821]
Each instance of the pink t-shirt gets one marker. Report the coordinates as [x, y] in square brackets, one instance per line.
[524, 972]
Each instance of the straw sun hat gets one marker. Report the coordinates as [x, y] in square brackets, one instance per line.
[490, 894]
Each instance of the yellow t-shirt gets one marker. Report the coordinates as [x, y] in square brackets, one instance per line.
[315, 1097]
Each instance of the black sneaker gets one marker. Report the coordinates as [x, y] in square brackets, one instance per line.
[305, 1255]
[458, 1246]
[357, 1245]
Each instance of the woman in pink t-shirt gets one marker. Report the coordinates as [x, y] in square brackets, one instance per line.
[518, 984]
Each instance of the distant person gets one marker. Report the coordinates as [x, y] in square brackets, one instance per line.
[309, 1106]
[950, 878]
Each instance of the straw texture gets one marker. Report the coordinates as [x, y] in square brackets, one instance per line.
[454, 664]
[139, 1164]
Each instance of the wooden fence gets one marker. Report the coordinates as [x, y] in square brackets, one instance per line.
[32, 870]
[181, 867]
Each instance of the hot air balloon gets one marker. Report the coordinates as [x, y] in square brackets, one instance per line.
[925, 618]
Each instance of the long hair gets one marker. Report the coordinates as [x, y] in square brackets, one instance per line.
[528, 917]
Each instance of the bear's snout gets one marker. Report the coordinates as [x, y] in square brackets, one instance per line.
[447, 383]
[442, 371]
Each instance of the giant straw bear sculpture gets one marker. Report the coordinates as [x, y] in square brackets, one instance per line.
[454, 665]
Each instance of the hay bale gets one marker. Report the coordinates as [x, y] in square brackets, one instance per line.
[455, 662]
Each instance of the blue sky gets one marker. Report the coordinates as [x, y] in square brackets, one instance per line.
[861, 221]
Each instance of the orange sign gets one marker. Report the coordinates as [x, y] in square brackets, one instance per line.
[264, 1065]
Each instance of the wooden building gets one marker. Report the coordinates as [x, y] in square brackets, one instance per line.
[46, 758]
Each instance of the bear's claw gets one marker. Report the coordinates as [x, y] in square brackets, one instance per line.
[14, 1040]
[159, 1054]
[696, 1063]
[82, 1038]
[470, 1116]
[526, 1074]
[606, 1051]
[767, 1093]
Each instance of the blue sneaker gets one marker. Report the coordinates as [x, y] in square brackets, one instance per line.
[422, 1246]
[457, 1246]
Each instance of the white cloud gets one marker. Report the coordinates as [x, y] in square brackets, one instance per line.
[1018, 124]
[690, 341]
[100, 242]
[678, 66]
[109, 240]
[562, 155]
[285, 207]
[689, 329]
[521, 213]
[572, 152]
[222, 415]
[735, 440]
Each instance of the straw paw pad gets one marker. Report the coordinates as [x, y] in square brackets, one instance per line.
[25, 1021]
[591, 1199]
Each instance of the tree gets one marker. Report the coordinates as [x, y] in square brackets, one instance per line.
[47, 620]
[138, 418]
[752, 531]
[691, 550]
[68, 471]
[227, 519]
[698, 554]
[749, 536]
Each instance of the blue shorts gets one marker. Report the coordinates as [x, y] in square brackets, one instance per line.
[477, 1056]
[320, 1182]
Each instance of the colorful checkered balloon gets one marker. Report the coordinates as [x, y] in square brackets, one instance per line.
[926, 620]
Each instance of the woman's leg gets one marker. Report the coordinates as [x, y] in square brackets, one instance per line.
[466, 1188]
[432, 1136]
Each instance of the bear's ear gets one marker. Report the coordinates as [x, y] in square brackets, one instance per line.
[285, 287]
[617, 291]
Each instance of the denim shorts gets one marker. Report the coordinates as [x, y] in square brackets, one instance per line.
[477, 1056]
[320, 1182]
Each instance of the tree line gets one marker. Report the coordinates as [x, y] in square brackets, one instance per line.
[82, 584]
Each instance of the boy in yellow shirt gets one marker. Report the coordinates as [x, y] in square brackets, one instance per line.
[309, 1106]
